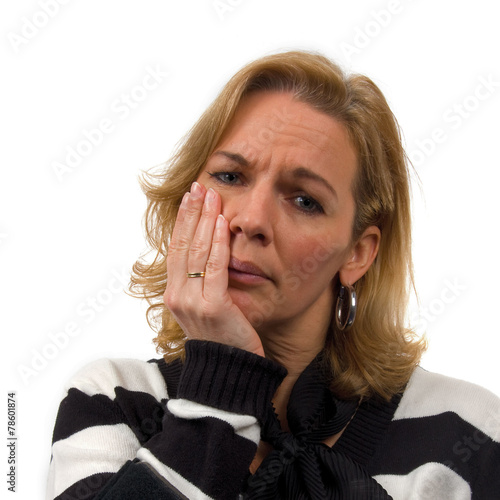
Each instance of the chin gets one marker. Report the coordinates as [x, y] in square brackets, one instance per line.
[243, 299]
[257, 309]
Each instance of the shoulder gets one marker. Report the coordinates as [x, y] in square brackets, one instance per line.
[443, 441]
[104, 376]
[430, 394]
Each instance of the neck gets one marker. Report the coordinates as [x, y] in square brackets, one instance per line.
[295, 362]
[294, 347]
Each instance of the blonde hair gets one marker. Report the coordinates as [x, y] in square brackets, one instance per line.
[379, 353]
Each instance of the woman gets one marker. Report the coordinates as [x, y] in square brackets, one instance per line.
[282, 232]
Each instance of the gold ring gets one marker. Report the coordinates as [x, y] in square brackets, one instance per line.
[196, 275]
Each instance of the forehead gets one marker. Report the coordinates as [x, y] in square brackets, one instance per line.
[275, 122]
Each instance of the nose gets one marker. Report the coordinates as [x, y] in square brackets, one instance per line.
[251, 214]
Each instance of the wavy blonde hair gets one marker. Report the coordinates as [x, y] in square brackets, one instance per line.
[379, 353]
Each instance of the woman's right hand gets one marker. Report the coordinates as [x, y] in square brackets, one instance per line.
[202, 306]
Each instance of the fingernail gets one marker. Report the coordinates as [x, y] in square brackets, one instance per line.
[210, 197]
[195, 191]
[220, 221]
[184, 199]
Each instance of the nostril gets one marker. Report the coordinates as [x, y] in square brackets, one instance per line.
[253, 225]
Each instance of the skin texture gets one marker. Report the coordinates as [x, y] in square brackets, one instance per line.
[281, 177]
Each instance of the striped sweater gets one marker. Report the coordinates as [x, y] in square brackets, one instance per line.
[129, 429]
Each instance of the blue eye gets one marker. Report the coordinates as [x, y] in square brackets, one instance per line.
[308, 204]
[224, 177]
[303, 202]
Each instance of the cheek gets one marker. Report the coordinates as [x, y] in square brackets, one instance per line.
[318, 258]
[315, 266]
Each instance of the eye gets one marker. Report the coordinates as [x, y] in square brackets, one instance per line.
[224, 177]
[308, 205]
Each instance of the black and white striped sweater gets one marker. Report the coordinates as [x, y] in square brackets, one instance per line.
[130, 429]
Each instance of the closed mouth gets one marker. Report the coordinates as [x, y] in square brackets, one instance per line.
[246, 268]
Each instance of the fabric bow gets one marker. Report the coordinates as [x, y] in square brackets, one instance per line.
[301, 466]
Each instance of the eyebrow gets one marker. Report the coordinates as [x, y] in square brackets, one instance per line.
[305, 173]
[298, 172]
[234, 157]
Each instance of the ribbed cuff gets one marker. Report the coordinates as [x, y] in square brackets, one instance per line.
[229, 378]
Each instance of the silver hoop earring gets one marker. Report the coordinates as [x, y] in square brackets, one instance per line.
[347, 298]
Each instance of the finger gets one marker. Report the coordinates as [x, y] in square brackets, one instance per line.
[216, 278]
[172, 243]
[201, 244]
[172, 254]
[183, 233]
[179, 219]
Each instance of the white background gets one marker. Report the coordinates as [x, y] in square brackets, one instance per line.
[64, 238]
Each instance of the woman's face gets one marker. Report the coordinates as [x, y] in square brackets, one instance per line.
[284, 172]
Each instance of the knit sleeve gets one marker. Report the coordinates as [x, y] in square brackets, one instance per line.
[119, 435]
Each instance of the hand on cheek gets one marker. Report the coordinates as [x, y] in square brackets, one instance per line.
[202, 305]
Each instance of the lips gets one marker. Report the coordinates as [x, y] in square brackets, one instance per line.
[246, 268]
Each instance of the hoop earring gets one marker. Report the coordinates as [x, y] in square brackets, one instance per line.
[347, 295]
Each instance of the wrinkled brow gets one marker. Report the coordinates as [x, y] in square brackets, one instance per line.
[297, 173]
[234, 157]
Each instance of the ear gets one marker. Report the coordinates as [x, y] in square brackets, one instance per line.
[361, 256]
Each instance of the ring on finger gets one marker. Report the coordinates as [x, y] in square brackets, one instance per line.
[196, 275]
